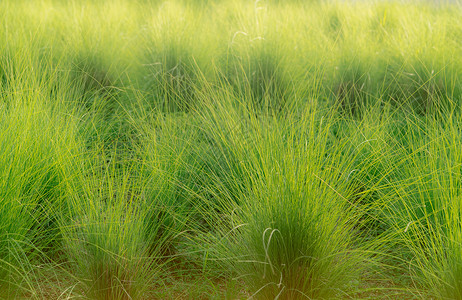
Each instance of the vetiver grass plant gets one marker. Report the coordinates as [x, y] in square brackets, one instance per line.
[230, 149]
[113, 245]
[291, 233]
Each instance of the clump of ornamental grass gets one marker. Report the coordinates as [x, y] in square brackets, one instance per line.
[258, 75]
[291, 235]
[172, 58]
[172, 80]
[351, 90]
[113, 235]
[34, 138]
[256, 60]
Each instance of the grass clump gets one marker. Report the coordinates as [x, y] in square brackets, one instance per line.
[105, 244]
[258, 75]
[291, 233]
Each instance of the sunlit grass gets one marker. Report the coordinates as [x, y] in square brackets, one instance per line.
[263, 149]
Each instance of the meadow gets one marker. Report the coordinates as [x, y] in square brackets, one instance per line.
[216, 149]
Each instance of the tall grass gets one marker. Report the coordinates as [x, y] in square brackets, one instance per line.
[263, 149]
[38, 143]
[109, 239]
[289, 230]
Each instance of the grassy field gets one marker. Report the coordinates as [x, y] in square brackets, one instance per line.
[215, 149]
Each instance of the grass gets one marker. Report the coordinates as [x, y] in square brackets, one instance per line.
[230, 150]
[282, 242]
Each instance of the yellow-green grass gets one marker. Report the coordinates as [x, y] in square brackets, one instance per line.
[262, 149]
